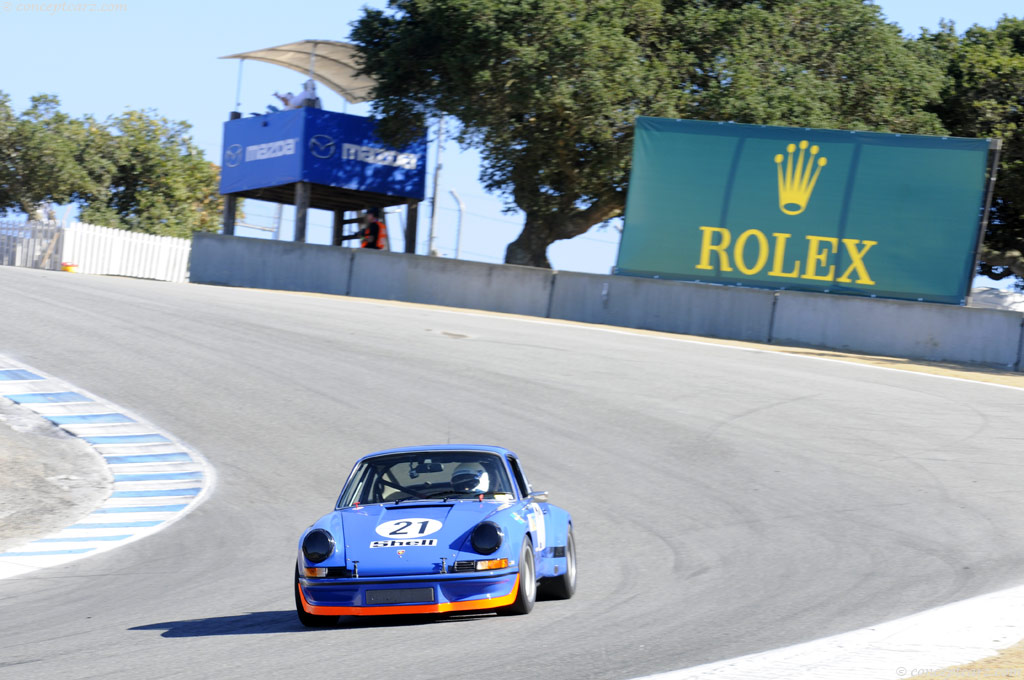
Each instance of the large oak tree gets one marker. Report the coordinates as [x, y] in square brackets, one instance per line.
[548, 90]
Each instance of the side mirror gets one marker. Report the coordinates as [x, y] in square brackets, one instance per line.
[539, 496]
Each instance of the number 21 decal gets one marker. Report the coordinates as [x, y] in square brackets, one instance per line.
[413, 527]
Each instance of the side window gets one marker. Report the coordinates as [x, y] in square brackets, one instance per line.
[524, 486]
[357, 487]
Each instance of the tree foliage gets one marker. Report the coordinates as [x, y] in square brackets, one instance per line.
[152, 178]
[983, 96]
[135, 171]
[548, 90]
[41, 160]
[818, 63]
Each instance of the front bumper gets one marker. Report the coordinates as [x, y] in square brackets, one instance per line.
[452, 593]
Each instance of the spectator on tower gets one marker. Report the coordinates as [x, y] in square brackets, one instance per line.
[374, 233]
[307, 97]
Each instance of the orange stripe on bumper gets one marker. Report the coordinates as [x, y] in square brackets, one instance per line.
[439, 608]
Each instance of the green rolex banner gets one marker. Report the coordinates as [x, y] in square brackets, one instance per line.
[860, 213]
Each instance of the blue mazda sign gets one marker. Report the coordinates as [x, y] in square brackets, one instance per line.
[322, 147]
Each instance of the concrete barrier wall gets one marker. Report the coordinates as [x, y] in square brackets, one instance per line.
[897, 328]
[886, 327]
[278, 265]
[452, 283]
[1020, 354]
[671, 306]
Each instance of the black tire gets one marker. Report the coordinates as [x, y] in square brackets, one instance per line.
[563, 586]
[307, 619]
[527, 593]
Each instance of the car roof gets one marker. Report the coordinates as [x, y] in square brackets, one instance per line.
[431, 448]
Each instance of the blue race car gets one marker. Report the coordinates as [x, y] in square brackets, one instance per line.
[434, 529]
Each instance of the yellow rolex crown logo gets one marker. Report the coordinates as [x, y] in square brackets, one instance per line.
[796, 181]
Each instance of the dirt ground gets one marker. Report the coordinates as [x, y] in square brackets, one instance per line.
[48, 479]
[1008, 665]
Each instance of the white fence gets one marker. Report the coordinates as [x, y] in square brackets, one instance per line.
[94, 250]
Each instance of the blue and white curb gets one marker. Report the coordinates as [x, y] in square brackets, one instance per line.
[157, 480]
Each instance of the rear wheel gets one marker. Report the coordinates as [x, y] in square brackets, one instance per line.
[526, 595]
[563, 586]
[307, 619]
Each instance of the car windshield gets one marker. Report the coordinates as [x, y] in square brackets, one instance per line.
[427, 474]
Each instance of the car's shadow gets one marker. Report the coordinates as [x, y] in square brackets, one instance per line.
[285, 621]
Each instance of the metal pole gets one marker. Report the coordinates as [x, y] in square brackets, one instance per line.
[458, 228]
[230, 200]
[301, 210]
[412, 216]
[338, 228]
[277, 222]
[437, 176]
[238, 90]
[230, 203]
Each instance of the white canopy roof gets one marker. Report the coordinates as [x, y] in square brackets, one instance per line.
[331, 63]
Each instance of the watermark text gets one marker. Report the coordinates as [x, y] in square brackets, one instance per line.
[961, 673]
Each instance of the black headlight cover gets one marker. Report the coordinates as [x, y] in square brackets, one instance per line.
[317, 546]
[486, 538]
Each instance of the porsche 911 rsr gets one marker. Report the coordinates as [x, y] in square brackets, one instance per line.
[434, 529]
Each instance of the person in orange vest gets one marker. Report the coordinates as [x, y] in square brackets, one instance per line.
[374, 233]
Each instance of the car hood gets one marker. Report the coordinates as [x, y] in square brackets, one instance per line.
[408, 539]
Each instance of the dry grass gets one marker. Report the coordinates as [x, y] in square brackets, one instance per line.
[1008, 664]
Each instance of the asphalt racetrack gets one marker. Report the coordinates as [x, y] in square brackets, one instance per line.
[725, 501]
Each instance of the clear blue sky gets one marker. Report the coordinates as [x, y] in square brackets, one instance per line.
[164, 56]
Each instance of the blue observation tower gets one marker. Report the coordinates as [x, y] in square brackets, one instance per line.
[305, 156]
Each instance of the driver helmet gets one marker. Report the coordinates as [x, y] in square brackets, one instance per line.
[470, 478]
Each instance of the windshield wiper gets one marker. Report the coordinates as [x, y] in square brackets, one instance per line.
[414, 497]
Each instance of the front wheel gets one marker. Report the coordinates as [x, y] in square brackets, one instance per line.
[563, 586]
[307, 619]
[527, 593]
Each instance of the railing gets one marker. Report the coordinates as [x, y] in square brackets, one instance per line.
[31, 244]
[94, 250]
